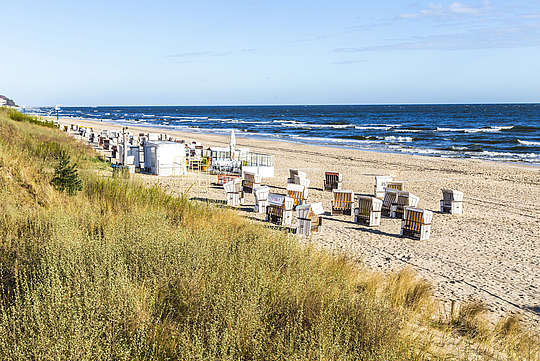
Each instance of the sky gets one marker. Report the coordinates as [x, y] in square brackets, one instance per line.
[269, 52]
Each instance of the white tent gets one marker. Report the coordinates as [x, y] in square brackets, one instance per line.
[165, 158]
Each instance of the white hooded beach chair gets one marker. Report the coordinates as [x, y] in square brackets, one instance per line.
[342, 201]
[368, 211]
[452, 202]
[297, 193]
[279, 209]
[416, 223]
[234, 193]
[309, 218]
[332, 180]
[251, 180]
[390, 198]
[404, 199]
[261, 198]
[380, 184]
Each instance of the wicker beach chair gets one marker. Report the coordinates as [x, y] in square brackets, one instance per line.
[381, 182]
[297, 193]
[404, 199]
[279, 209]
[416, 223]
[261, 198]
[399, 185]
[342, 202]
[250, 181]
[309, 218]
[390, 198]
[452, 202]
[332, 180]
[368, 211]
[234, 193]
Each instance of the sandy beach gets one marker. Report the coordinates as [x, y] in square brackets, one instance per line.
[489, 253]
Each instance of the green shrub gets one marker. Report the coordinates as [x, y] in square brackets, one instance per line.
[66, 176]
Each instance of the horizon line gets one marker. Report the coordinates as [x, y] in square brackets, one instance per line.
[277, 105]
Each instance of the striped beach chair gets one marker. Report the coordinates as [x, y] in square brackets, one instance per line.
[404, 199]
[380, 183]
[390, 198]
[368, 211]
[279, 209]
[416, 223]
[297, 193]
[261, 198]
[452, 202]
[309, 218]
[332, 180]
[342, 202]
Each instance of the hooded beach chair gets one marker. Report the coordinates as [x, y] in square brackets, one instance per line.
[390, 198]
[404, 199]
[309, 218]
[416, 223]
[452, 202]
[380, 183]
[399, 185]
[279, 209]
[368, 211]
[234, 193]
[261, 198]
[297, 193]
[250, 181]
[332, 180]
[342, 201]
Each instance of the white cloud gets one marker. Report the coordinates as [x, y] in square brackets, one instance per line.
[460, 8]
[455, 8]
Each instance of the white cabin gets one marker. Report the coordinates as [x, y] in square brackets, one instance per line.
[165, 158]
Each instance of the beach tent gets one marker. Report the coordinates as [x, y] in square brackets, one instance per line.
[165, 158]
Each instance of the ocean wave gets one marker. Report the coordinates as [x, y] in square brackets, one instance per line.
[385, 125]
[492, 129]
[408, 130]
[372, 128]
[398, 139]
[529, 143]
[337, 140]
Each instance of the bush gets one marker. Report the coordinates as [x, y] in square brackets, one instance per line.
[20, 117]
[66, 176]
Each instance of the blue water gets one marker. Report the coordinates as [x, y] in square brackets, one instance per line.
[504, 132]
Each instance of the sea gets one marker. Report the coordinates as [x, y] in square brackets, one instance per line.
[500, 132]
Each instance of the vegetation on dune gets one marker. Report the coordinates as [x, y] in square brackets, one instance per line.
[21, 117]
[125, 271]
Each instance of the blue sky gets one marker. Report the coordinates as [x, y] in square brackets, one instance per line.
[273, 52]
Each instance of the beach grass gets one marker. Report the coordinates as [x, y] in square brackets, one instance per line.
[126, 271]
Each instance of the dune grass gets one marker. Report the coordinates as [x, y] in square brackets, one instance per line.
[125, 271]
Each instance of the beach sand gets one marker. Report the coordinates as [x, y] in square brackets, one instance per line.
[490, 253]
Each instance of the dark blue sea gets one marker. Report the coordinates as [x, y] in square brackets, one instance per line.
[502, 132]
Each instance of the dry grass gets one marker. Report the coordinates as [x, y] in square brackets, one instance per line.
[125, 271]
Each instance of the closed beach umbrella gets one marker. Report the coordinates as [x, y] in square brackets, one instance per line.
[232, 143]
